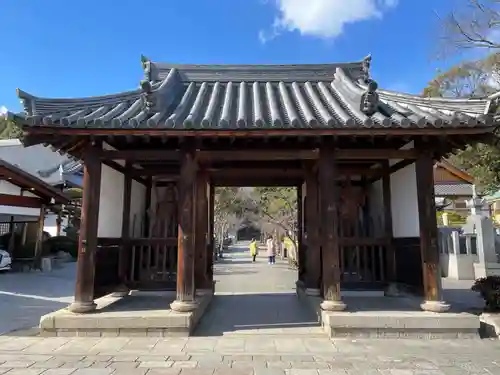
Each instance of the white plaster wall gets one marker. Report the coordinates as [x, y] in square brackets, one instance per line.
[111, 203]
[404, 204]
[11, 189]
[137, 208]
[376, 202]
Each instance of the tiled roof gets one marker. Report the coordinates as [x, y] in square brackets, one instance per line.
[252, 97]
[67, 167]
[20, 177]
[459, 189]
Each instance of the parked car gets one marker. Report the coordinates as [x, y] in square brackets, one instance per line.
[5, 261]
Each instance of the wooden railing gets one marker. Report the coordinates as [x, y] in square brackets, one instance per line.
[107, 260]
[363, 260]
[139, 263]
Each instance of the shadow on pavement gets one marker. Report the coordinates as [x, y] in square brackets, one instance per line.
[232, 313]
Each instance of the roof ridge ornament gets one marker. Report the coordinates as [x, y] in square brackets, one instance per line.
[147, 86]
[366, 65]
[370, 98]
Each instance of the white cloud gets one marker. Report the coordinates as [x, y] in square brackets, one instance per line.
[3, 111]
[323, 18]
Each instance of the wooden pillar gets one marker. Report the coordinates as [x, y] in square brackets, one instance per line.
[329, 212]
[301, 254]
[12, 238]
[58, 223]
[427, 220]
[87, 240]
[185, 300]
[211, 241]
[202, 282]
[39, 238]
[124, 251]
[147, 219]
[313, 258]
[386, 194]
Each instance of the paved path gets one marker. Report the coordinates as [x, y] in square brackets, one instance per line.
[255, 298]
[283, 341]
[26, 296]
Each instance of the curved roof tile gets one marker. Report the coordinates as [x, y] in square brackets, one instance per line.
[253, 96]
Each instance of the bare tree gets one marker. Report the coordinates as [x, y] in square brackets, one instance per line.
[476, 24]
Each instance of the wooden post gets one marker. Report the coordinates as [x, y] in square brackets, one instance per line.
[147, 205]
[185, 246]
[12, 239]
[39, 238]
[313, 258]
[330, 246]
[428, 232]
[124, 251]
[211, 241]
[386, 193]
[202, 282]
[58, 223]
[87, 240]
[301, 254]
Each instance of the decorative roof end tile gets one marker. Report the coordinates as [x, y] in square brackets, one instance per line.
[370, 98]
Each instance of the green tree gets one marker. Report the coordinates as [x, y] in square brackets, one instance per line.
[8, 129]
[227, 211]
[472, 80]
[275, 209]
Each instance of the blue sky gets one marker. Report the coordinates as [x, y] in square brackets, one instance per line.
[66, 48]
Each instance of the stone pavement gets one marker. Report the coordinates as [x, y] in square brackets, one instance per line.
[259, 334]
[255, 298]
[26, 296]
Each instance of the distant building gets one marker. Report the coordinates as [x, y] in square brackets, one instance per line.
[452, 187]
[49, 166]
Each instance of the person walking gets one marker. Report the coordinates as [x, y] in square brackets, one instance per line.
[271, 250]
[253, 249]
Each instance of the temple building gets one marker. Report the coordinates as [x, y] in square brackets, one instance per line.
[362, 159]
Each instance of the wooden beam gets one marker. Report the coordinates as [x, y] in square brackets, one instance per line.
[329, 195]
[20, 201]
[87, 240]
[120, 168]
[237, 133]
[185, 300]
[256, 155]
[140, 155]
[375, 154]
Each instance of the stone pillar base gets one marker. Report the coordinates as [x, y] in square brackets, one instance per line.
[333, 305]
[435, 306]
[312, 292]
[82, 307]
[184, 306]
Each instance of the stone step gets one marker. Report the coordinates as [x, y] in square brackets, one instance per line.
[386, 317]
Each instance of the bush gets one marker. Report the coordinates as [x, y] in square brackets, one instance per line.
[489, 288]
[62, 243]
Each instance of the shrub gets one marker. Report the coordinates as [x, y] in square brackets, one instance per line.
[489, 288]
[62, 243]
